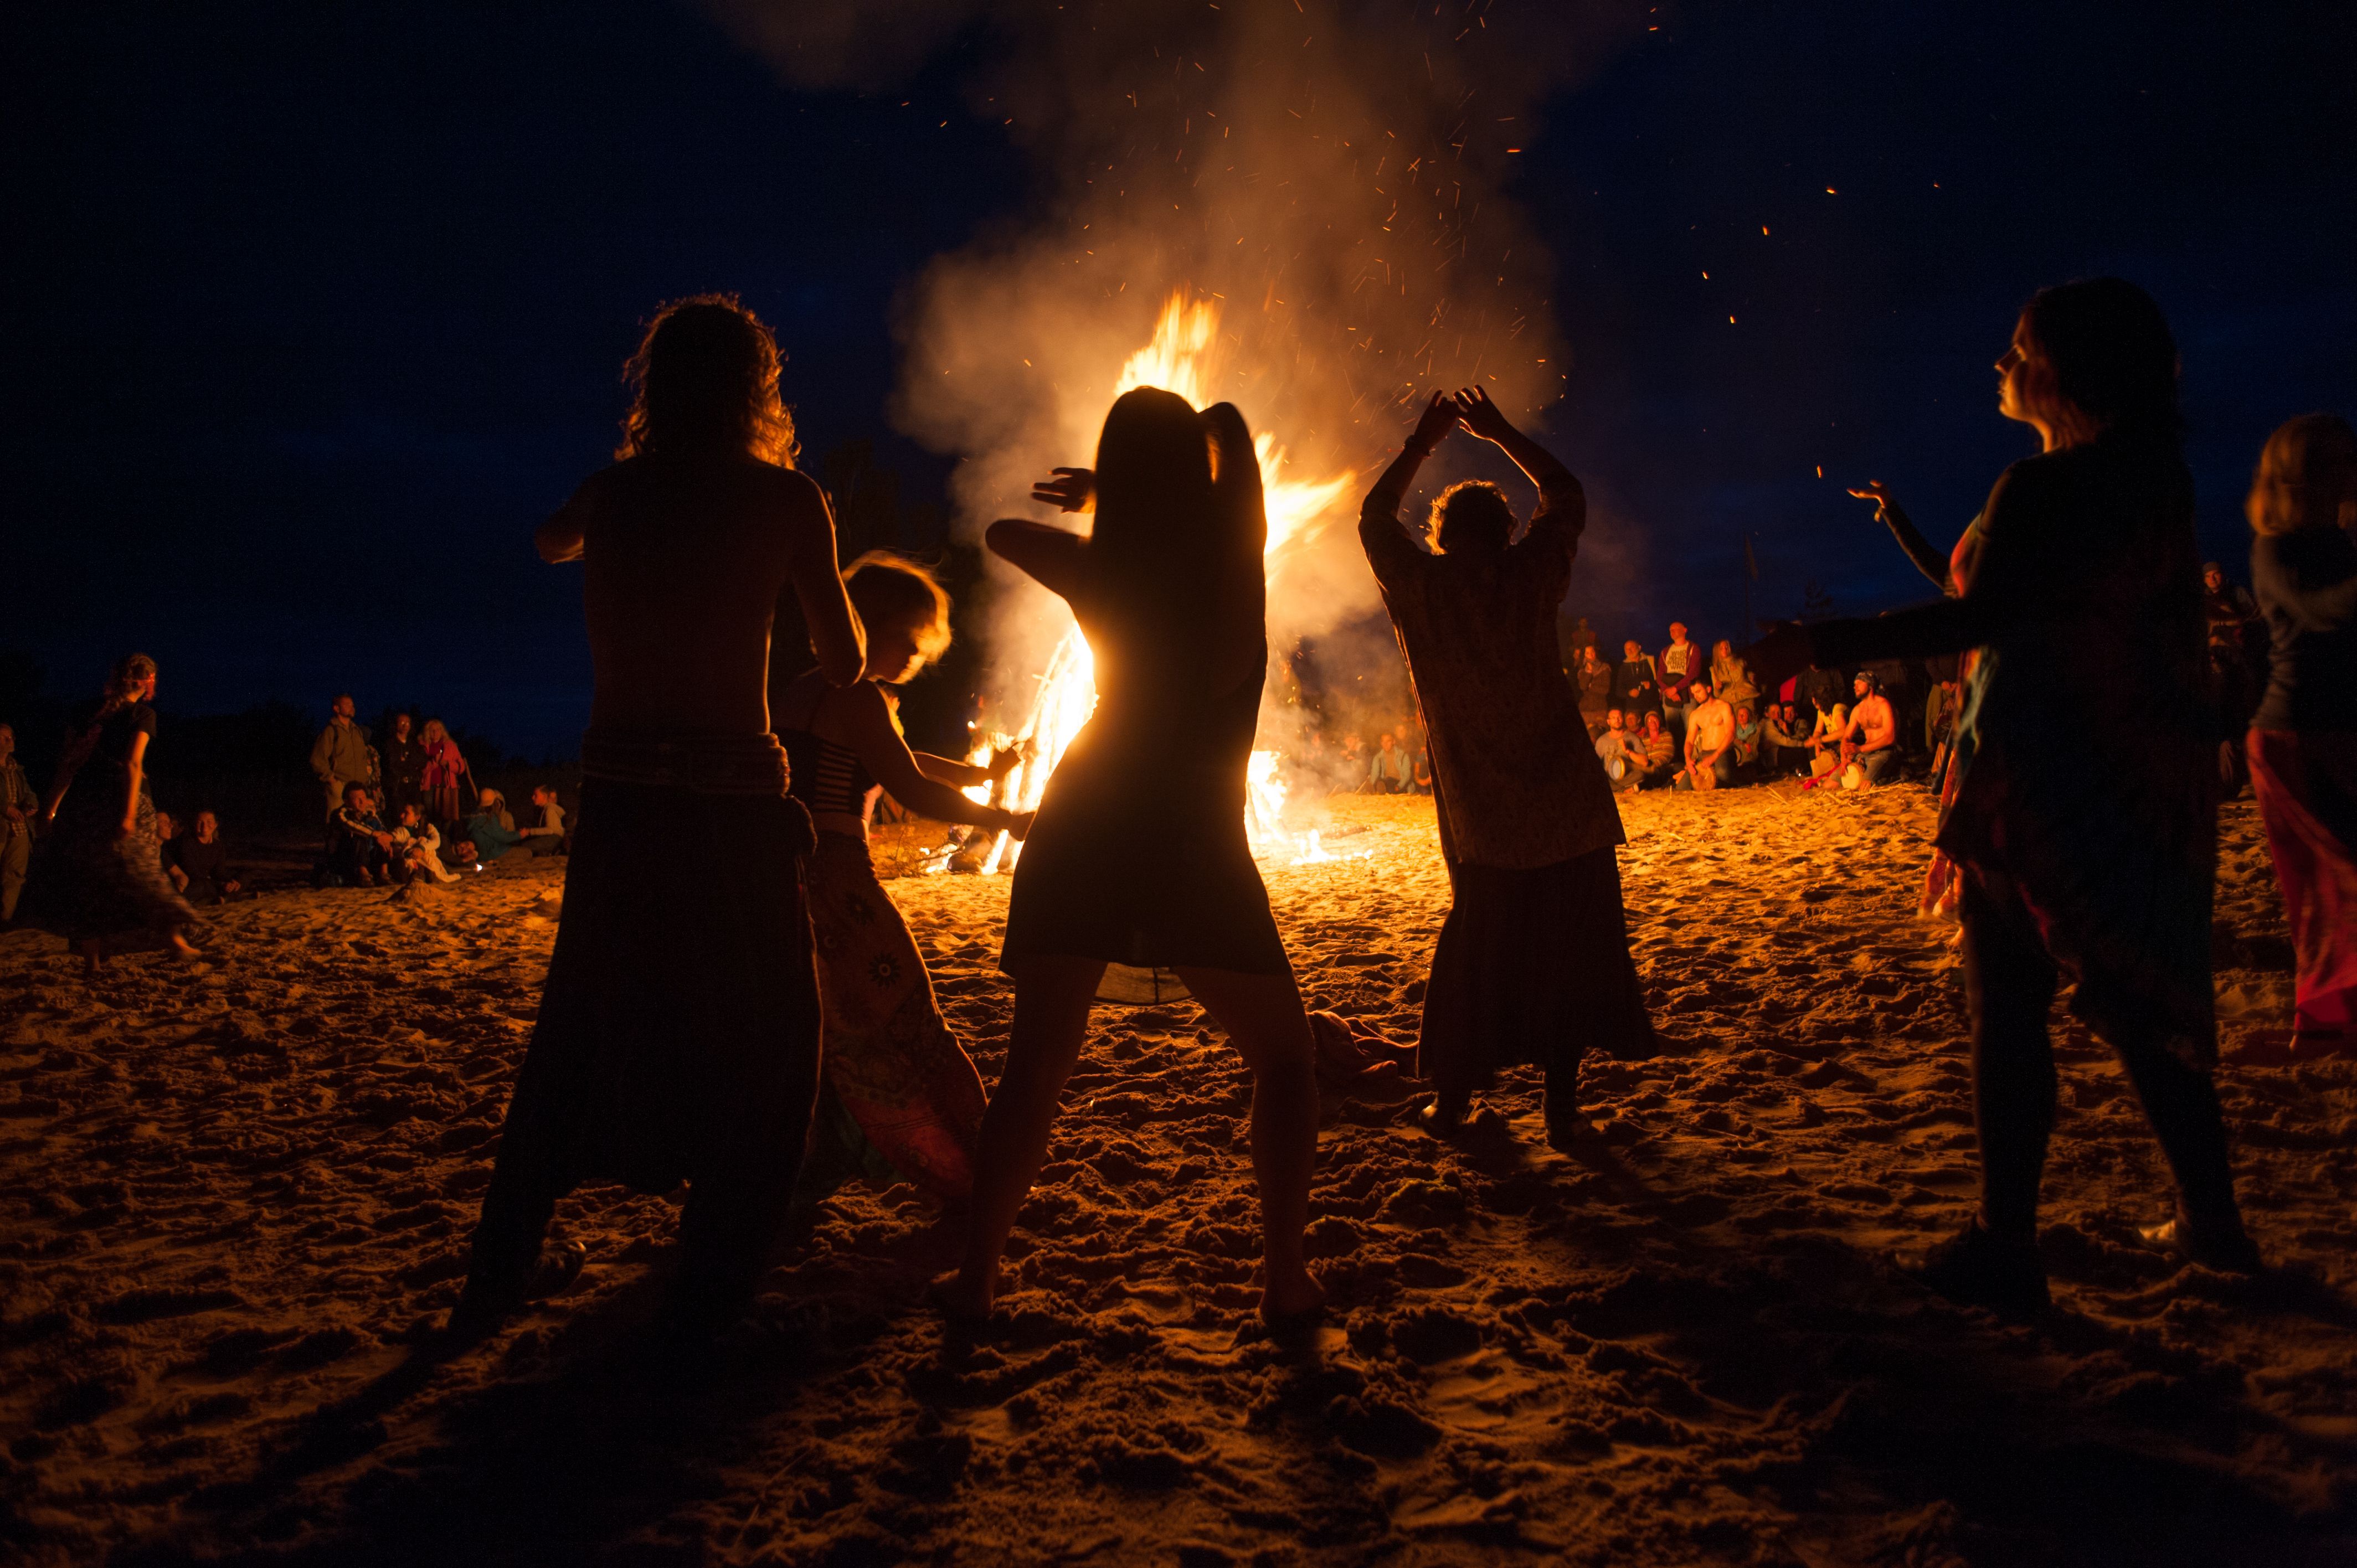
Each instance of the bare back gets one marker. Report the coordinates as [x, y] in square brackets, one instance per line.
[684, 560]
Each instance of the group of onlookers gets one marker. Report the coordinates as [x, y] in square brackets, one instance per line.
[395, 816]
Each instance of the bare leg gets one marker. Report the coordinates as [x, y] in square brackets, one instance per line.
[1051, 1016]
[1264, 1017]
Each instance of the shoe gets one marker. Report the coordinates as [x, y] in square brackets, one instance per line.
[2228, 1252]
[1975, 1267]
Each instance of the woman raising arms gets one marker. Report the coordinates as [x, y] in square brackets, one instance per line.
[891, 1062]
[1169, 591]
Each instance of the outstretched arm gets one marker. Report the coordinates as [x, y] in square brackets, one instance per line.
[867, 717]
[1891, 515]
[1541, 466]
[1051, 557]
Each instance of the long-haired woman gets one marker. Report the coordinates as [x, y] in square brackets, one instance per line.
[99, 880]
[2303, 740]
[2085, 603]
[893, 1066]
[1139, 857]
[443, 768]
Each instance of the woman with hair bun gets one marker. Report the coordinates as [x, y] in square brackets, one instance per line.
[896, 1081]
[2085, 603]
[99, 880]
[2303, 740]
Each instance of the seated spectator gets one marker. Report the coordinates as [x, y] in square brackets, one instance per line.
[1820, 691]
[1594, 680]
[545, 836]
[1351, 764]
[1390, 770]
[1748, 735]
[1826, 742]
[1636, 685]
[167, 831]
[1730, 677]
[418, 847]
[1423, 782]
[1710, 739]
[197, 863]
[1621, 751]
[490, 829]
[1787, 748]
[359, 847]
[1660, 753]
[1871, 738]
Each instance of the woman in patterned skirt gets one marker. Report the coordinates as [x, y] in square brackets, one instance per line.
[896, 1082]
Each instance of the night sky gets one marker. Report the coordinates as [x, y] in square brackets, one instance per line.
[318, 309]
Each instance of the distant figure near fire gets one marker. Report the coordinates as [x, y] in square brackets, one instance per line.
[678, 1036]
[1138, 860]
[1532, 962]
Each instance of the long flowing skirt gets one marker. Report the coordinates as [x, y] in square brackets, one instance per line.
[2306, 787]
[89, 879]
[892, 1062]
[678, 1036]
[1532, 966]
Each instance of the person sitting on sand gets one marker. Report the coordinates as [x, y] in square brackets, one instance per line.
[1872, 737]
[418, 847]
[492, 831]
[99, 881]
[1532, 962]
[1390, 769]
[2086, 597]
[1619, 750]
[199, 864]
[678, 1034]
[1170, 590]
[894, 1068]
[1826, 742]
[1787, 746]
[545, 834]
[1749, 734]
[360, 846]
[1710, 739]
[1655, 754]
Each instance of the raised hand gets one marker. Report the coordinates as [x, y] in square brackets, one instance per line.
[1440, 416]
[1874, 490]
[1072, 490]
[1482, 416]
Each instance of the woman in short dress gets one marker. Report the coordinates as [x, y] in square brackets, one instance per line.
[1139, 857]
[896, 1082]
[99, 880]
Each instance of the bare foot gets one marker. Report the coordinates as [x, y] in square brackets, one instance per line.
[965, 1299]
[1295, 1299]
[184, 947]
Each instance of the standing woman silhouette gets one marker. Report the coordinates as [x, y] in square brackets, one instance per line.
[2084, 601]
[1138, 855]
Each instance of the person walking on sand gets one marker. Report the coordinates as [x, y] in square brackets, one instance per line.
[1532, 962]
[1170, 593]
[2085, 601]
[2303, 739]
[898, 1084]
[678, 1036]
[99, 881]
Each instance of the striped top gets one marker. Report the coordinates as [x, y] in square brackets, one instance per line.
[826, 775]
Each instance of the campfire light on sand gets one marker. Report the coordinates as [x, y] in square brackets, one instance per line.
[1186, 356]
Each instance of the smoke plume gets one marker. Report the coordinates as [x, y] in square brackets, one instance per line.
[1331, 174]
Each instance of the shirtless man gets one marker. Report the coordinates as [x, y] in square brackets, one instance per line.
[678, 1030]
[1872, 738]
[1710, 740]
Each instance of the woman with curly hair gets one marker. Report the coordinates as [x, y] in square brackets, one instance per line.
[99, 880]
[678, 1036]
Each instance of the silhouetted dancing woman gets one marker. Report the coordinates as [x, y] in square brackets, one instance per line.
[1138, 857]
[2085, 603]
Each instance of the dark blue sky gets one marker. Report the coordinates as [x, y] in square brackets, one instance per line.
[317, 312]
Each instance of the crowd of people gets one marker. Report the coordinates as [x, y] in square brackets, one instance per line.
[735, 1004]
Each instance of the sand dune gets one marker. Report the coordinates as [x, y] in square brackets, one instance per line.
[236, 1191]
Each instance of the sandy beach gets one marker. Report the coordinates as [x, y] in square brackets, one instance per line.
[236, 1191]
